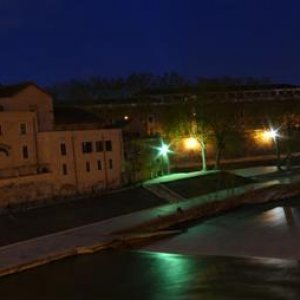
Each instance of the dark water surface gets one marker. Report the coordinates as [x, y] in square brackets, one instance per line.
[214, 259]
[151, 275]
[268, 230]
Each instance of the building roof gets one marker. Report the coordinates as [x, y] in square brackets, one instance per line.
[11, 90]
[258, 87]
[215, 88]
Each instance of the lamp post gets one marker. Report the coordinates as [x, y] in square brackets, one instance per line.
[273, 134]
[164, 149]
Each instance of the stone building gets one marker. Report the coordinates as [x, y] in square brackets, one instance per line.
[39, 160]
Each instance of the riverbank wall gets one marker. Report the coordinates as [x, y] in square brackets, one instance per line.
[134, 228]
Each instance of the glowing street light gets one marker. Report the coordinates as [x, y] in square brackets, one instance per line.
[269, 137]
[271, 134]
[191, 144]
[265, 136]
[163, 151]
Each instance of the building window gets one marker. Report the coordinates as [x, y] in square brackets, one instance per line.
[88, 166]
[23, 129]
[33, 108]
[25, 152]
[1, 130]
[150, 119]
[63, 149]
[87, 147]
[99, 165]
[108, 146]
[65, 169]
[99, 146]
[110, 163]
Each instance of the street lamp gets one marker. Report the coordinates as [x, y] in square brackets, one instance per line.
[191, 144]
[163, 152]
[273, 134]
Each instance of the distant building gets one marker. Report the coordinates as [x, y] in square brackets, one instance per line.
[147, 113]
[151, 116]
[234, 93]
[139, 119]
[39, 159]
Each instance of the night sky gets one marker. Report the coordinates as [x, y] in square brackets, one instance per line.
[53, 40]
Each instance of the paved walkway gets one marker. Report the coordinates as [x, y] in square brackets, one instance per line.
[241, 160]
[266, 173]
[23, 255]
[27, 254]
[28, 224]
[245, 172]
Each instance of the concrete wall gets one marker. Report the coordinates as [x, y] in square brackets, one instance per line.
[14, 191]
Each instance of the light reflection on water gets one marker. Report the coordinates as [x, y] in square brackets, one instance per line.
[284, 216]
[173, 273]
[274, 216]
[263, 231]
[162, 276]
[158, 276]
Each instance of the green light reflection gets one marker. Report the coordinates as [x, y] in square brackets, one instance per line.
[177, 273]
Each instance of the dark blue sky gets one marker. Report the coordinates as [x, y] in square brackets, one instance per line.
[54, 40]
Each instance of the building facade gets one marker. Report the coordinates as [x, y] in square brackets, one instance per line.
[39, 162]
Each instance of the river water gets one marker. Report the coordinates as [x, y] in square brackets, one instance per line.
[264, 231]
[251, 253]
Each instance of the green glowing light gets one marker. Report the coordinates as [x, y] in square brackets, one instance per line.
[164, 150]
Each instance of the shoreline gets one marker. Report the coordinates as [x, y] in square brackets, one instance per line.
[139, 232]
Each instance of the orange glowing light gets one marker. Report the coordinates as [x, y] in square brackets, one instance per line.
[265, 137]
[191, 143]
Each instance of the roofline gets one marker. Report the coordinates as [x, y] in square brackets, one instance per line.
[26, 85]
